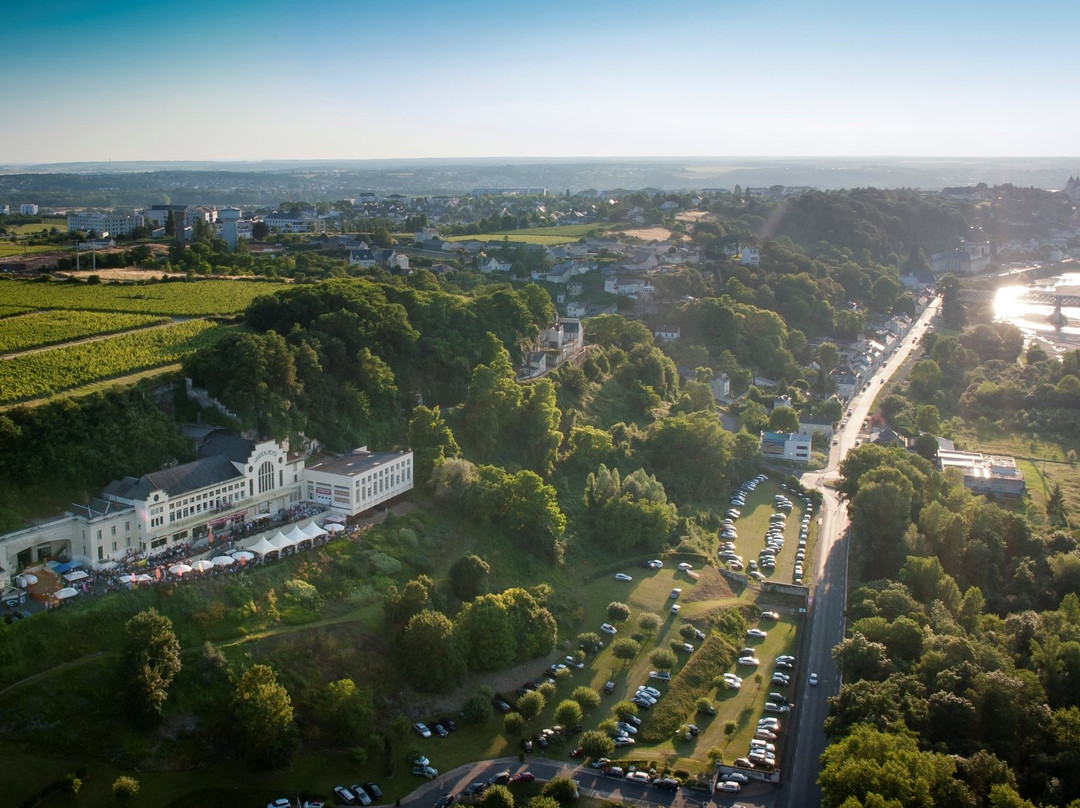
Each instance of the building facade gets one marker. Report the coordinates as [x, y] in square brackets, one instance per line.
[359, 481]
[104, 224]
[234, 482]
[785, 446]
[995, 475]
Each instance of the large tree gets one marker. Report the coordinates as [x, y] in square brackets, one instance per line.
[151, 660]
[262, 711]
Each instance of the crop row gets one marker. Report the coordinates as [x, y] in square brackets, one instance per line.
[43, 373]
[54, 327]
[199, 298]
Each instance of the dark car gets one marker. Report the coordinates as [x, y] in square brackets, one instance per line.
[500, 705]
[372, 789]
[445, 801]
[438, 729]
[474, 788]
[499, 779]
[666, 784]
[449, 723]
[578, 752]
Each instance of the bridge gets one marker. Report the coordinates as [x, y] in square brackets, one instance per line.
[1058, 300]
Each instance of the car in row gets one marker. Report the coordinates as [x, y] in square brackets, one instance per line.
[365, 794]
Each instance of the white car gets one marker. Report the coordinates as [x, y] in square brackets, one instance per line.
[676, 609]
[638, 777]
[622, 576]
[730, 786]
[813, 679]
[773, 707]
[652, 691]
[749, 660]
[422, 729]
[607, 628]
[684, 566]
[655, 564]
[624, 741]
[757, 632]
[732, 681]
[765, 734]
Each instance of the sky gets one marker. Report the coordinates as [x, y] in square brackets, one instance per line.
[356, 79]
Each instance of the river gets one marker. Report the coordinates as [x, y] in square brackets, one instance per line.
[1035, 320]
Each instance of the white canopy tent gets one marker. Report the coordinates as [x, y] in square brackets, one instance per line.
[65, 593]
[180, 569]
[313, 531]
[335, 528]
[262, 547]
[243, 556]
[202, 565]
[76, 575]
[295, 535]
[221, 561]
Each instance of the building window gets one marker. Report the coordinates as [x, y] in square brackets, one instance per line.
[266, 477]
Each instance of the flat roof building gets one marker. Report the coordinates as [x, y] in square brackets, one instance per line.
[996, 475]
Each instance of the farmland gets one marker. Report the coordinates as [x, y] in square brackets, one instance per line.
[545, 236]
[176, 299]
[54, 327]
[66, 367]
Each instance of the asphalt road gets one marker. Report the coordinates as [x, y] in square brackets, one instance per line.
[829, 595]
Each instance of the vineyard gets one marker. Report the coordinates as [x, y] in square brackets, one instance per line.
[54, 327]
[175, 299]
[48, 372]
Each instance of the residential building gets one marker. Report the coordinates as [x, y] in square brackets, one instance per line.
[751, 257]
[995, 475]
[668, 333]
[809, 425]
[720, 386]
[28, 209]
[785, 446]
[104, 224]
[302, 222]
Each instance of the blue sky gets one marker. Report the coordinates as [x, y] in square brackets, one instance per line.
[358, 79]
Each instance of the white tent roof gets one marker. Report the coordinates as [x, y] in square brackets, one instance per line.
[281, 541]
[313, 531]
[295, 534]
[65, 593]
[262, 547]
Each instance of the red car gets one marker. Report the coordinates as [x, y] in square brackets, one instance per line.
[523, 777]
[579, 752]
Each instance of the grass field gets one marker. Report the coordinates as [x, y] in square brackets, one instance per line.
[174, 299]
[8, 250]
[546, 236]
[35, 229]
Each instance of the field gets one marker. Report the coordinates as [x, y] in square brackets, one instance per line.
[9, 250]
[35, 229]
[546, 236]
[175, 299]
[53, 327]
[45, 373]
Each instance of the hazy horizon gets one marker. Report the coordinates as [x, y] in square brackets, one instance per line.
[479, 79]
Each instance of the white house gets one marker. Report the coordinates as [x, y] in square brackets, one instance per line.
[785, 446]
[751, 257]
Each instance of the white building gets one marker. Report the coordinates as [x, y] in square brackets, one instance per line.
[785, 446]
[996, 475]
[359, 481]
[235, 482]
[751, 257]
[104, 224]
[303, 222]
[28, 209]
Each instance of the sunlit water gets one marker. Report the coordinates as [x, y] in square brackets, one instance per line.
[1036, 320]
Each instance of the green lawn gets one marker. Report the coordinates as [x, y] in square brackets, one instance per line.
[7, 249]
[537, 235]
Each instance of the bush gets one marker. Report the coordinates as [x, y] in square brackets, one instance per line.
[617, 611]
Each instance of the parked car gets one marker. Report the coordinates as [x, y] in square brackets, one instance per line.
[765, 734]
[438, 729]
[622, 576]
[667, 784]
[750, 661]
[773, 707]
[684, 566]
[526, 745]
[609, 687]
[781, 679]
[422, 729]
[373, 789]
[578, 752]
[607, 628]
[499, 778]
[662, 676]
[729, 786]
[675, 593]
[757, 633]
[500, 705]
[445, 801]
[676, 609]
[737, 777]
[644, 702]
[654, 564]
[418, 760]
[638, 777]
[523, 777]
[626, 727]
[427, 772]
[280, 802]
[344, 796]
[362, 797]
[623, 740]
[652, 691]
